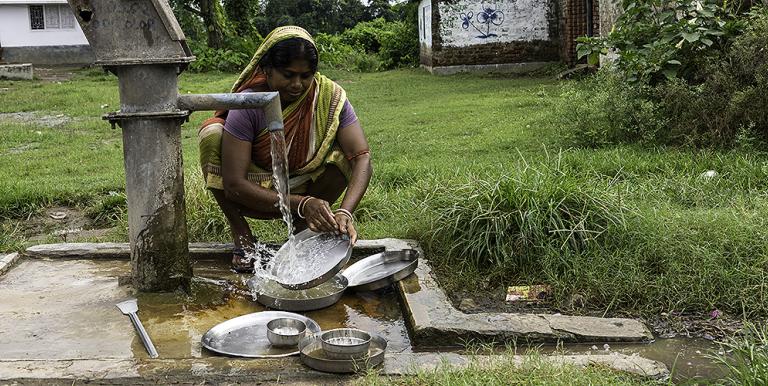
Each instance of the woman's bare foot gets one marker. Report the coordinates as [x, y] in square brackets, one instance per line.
[240, 262]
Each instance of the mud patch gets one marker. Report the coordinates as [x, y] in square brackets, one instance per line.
[61, 74]
[62, 224]
[36, 119]
[712, 326]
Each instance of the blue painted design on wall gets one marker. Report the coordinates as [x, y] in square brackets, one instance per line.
[485, 18]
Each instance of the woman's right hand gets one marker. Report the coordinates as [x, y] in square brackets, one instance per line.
[319, 216]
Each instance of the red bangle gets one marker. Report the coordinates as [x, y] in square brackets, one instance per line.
[358, 154]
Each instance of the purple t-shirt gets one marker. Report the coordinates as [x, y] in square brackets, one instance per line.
[246, 124]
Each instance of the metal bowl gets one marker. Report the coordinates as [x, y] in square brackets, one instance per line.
[345, 343]
[284, 332]
[271, 294]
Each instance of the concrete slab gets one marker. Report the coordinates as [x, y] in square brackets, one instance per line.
[431, 318]
[197, 251]
[290, 370]
[433, 321]
[64, 309]
[7, 261]
[58, 323]
[16, 71]
[411, 363]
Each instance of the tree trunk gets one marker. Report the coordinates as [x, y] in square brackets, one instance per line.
[212, 23]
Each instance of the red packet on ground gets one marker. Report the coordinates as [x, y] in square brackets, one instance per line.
[527, 293]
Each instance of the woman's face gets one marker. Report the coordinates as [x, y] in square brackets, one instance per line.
[291, 81]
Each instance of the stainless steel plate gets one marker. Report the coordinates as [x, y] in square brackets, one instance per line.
[312, 355]
[246, 336]
[271, 294]
[323, 255]
[382, 269]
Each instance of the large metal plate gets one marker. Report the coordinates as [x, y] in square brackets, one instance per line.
[325, 254]
[246, 336]
[312, 355]
[382, 269]
[271, 294]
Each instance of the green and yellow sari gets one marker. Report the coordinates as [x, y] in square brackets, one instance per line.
[310, 123]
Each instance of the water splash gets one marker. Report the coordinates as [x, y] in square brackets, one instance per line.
[297, 261]
[262, 257]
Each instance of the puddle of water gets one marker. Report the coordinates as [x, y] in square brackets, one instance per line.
[65, 309]
[685, 357]
[177, 322]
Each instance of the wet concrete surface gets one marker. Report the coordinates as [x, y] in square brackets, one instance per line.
[688, 359]
[65, 309]
[60, 313]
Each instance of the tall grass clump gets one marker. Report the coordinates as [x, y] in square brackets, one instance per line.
[745, 357]
[503, 224]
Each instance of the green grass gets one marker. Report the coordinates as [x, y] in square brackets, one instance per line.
[745, 357]
[533, 370]
[471, 166]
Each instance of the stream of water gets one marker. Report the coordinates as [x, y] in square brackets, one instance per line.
[295, 262]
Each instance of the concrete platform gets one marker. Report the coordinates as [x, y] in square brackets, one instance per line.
[431, 318]
[17, 71]
[58, 323]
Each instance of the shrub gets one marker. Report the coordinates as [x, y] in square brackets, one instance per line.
[335, 53]
[366, 35]
[604, 110]
[657, 39]
[722, 103]
[400, 45]
[506, 223]
[233, 58]
[396, 42]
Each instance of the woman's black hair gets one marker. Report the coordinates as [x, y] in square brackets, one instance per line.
[282, 54]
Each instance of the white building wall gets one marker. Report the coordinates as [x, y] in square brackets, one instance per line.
[425, 23]
[16, 31]
[470, 22]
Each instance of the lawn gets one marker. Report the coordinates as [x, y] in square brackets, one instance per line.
[471, 166]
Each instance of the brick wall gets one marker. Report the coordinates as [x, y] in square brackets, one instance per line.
[574, 24]
[543, 45]
[497, 53]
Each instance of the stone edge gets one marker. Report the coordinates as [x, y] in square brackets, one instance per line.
[289, 369]
[122, 251]
[7, 262]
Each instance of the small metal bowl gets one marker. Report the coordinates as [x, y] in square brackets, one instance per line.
[282, 332]
[345, 343]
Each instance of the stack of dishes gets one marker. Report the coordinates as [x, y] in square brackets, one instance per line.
[343, 350]
[312, 293]
[274, 334]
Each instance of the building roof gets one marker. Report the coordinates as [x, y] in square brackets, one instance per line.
[23, 2]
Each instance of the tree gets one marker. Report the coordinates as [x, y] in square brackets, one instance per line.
[212, 15]
[379, 8]
[241, 15]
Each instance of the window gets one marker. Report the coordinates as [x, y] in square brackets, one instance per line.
[36, 16]
[51, 16]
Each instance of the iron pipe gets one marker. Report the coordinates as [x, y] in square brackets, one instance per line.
[269, 101]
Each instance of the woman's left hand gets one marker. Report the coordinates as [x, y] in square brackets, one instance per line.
[346, 226]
